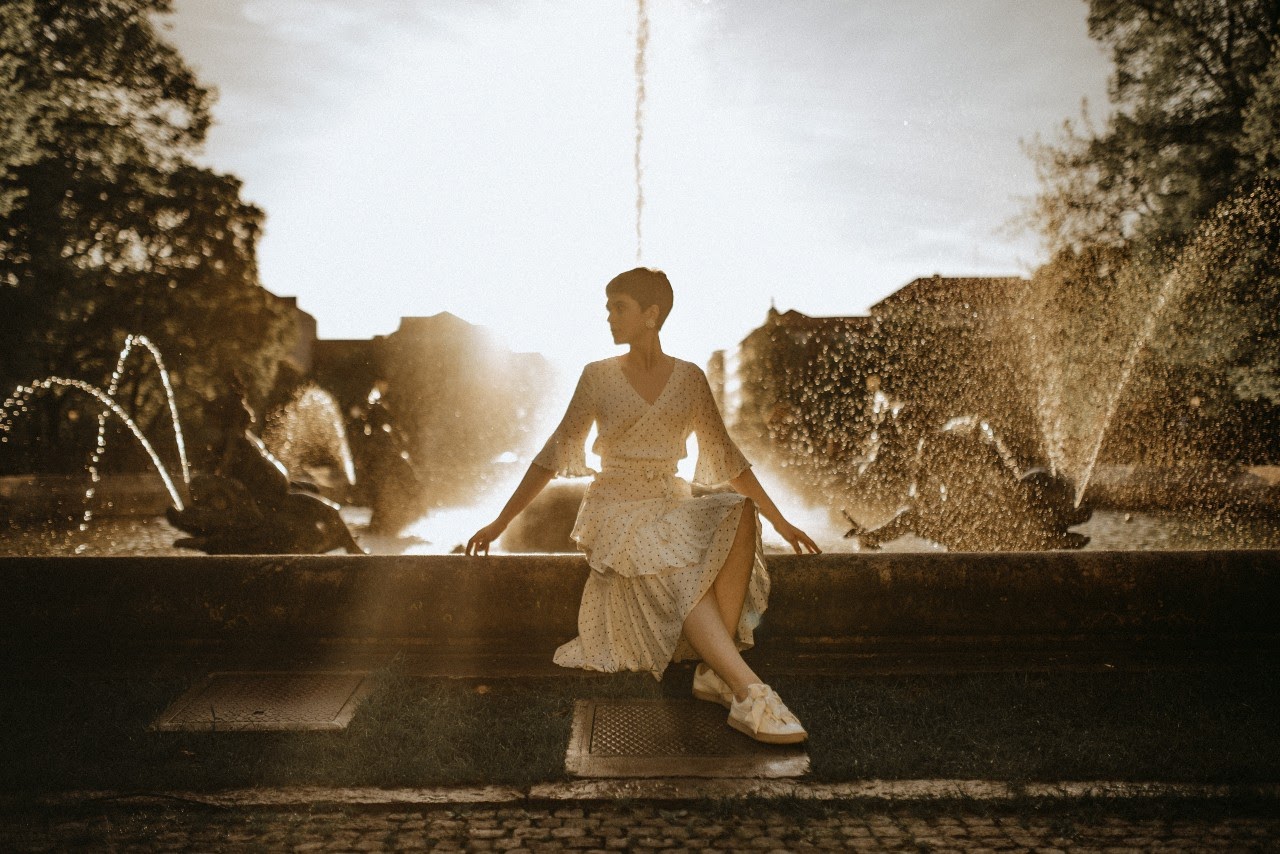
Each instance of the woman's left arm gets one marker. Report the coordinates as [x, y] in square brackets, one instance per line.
[747, 484]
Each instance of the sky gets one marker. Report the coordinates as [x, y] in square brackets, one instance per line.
[476, 156]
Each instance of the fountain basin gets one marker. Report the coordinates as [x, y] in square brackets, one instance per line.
[35, 498]
[527, 605]
[1144, 487]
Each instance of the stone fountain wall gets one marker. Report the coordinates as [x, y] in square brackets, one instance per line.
[820, 605]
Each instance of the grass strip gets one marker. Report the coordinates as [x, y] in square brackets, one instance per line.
[1194, 727]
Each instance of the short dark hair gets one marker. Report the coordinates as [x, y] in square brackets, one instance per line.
[647, 287]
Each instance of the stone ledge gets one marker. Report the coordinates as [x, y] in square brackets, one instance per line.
[819, 605]
[660, 789]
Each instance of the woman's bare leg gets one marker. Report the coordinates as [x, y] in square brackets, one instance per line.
[730, 586]
[705, 631]
[711, 625]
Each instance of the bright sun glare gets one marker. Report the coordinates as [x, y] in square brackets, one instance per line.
[489, 173]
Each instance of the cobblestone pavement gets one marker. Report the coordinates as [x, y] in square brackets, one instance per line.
[637, 826]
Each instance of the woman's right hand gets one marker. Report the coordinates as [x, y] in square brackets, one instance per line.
[480, 541]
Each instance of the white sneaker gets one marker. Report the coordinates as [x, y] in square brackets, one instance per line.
[764, 717]
[707, 685]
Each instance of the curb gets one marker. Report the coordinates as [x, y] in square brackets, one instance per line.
[675, 789]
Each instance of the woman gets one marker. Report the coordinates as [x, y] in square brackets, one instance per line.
[674, 576]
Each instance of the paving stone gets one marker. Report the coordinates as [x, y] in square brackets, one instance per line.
[605, 826]
[654, 842]
[855, 830]
[888, 831]
[410, 841]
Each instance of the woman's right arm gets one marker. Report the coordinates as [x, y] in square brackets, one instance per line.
[563, 454]
[534, 481]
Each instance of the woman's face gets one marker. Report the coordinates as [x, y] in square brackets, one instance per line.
[627, 321]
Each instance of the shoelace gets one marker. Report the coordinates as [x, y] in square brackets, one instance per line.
[768, 705]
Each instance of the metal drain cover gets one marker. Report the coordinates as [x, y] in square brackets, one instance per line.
[265, 701]
[670, 738]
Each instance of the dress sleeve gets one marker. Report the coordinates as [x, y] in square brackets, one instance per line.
[565, 454]
[719, 459]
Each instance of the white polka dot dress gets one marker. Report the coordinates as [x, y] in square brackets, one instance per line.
[654, 548]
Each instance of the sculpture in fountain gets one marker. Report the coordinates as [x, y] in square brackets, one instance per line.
[391, 486]
[860, 413]
[966, 491]
[248, 505]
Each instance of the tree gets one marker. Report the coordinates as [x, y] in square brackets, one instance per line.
[1260, 142]
[109, 227]
[1187, 73]
[1183, 173]
[22, 107]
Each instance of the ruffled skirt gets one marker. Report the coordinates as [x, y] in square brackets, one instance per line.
[654, 550]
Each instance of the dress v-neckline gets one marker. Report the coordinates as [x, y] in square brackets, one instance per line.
[675, 363]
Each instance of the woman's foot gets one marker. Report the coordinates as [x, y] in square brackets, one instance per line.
[763, 716]
[707, 685]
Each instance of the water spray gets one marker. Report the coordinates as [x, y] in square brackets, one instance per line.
[18, 400]
[642, 45]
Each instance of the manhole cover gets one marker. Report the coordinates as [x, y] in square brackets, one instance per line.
[670, 738]
[267, 701]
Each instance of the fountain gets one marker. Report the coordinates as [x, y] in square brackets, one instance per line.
[911, 449]
[968, 492]
[307, 435]
[17, 402]
[929, 417]
[247, 506]
[1087, 343]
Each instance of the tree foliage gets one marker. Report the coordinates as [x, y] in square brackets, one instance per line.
[1186, 166]
[108, 226]
[1189, 76]
[1260, 142]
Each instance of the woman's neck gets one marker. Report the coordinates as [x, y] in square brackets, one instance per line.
[647, 354]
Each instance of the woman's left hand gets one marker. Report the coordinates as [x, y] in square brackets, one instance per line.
[799, 540]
